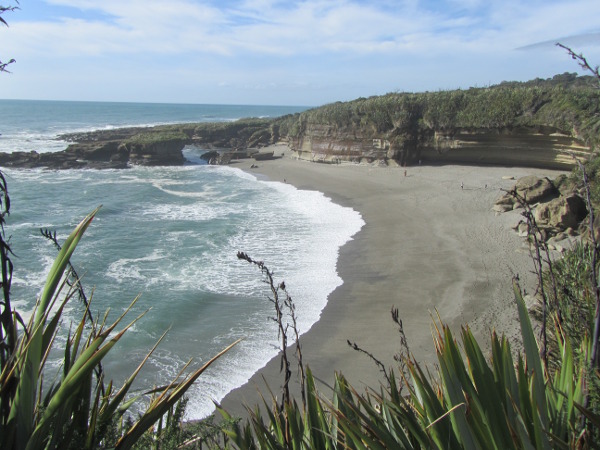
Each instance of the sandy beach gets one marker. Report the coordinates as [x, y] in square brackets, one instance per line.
[428, 245]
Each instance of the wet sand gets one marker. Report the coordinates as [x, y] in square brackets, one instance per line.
[429, 246]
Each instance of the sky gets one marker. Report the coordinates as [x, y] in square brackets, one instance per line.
[272, 52]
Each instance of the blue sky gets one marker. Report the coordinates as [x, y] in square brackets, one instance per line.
[276, 52]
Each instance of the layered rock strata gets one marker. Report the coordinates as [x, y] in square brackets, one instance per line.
[545, 147]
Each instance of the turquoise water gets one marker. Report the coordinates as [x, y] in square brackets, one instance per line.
[172, 234]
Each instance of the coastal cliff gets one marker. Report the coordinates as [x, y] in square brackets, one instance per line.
[541, 123]
[547, 147]
[544, 147]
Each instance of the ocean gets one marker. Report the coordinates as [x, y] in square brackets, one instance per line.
[171, 235]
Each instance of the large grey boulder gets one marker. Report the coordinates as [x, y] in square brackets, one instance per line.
[562, 213]
[531, 188]
[535, 189]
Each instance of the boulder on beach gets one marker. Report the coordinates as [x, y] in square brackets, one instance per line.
[563, 212]
[531, 189]
[558, 209]
[535, 189]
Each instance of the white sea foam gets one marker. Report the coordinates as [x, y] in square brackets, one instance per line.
[127, 269]
[304, 256]
[171, 234]
[165, 185]
[197, 212]
[180, 250]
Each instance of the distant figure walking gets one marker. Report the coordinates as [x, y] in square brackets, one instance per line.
[405, 173]
[462, 186]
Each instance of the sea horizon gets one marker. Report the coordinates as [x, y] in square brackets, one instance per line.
[155, 103]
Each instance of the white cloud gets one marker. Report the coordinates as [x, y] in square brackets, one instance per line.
[262, 45]
[309, 27]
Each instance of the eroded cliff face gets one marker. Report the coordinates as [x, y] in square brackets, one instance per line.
[536, 147]
[164, 153]
[324, 143]
[538, 123]
[545, 147]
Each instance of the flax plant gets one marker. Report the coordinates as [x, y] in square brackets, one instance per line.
[473, 403]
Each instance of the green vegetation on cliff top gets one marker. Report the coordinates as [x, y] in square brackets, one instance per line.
[566, 102]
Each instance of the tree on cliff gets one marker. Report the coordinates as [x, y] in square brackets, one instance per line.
[4, 9]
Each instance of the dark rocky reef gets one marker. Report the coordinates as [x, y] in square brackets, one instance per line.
[107, 149]
[79, 158]
[152, 146]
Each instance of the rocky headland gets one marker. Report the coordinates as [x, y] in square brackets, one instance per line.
[149, 146]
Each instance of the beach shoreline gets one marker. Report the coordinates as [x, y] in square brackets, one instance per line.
[431, 245]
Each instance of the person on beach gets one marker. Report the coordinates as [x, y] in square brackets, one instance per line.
[462, 186]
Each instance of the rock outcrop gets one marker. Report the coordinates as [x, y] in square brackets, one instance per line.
[558, 214]
[534, 189]
[106, 149]
[152, 146]
[530, 189]
[562, 213]
[59, 160]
